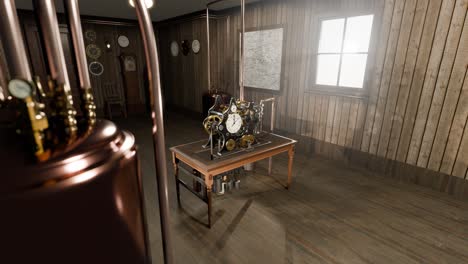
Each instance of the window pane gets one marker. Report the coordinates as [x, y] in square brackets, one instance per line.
[353, 68]
[327, 69]
[358, 32]
[331, 35]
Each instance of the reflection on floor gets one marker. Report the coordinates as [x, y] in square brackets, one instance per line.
[332, 214]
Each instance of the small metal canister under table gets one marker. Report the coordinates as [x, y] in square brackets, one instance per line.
[198, 158]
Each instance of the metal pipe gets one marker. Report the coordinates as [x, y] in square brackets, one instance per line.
[149, 41]
[272, 124]
[241, 61]
[3, 81]
[208, 48]
[66, 130]
[74, 22]
[13, 43]
[73, 14]
[52, 41]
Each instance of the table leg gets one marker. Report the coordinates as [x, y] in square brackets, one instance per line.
[209, 188]
[270, 164]
[290, 165]
[208, 193]
[175, 161]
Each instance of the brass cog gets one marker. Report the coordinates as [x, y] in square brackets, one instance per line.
[230, 144]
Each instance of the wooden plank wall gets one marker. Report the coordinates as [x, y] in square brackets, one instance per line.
[416, 108]
[184, 78]
[111, 81]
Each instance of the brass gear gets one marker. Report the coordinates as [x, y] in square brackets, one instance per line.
[246, 140]
[209, 121]
[230, 144]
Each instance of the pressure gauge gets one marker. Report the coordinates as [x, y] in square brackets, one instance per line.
[20, 89]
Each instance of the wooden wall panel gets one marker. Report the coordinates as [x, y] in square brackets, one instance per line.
[407, 76]
[111, 81]
[415, 89]
[430, 79]
[416, 108]
[184, 77]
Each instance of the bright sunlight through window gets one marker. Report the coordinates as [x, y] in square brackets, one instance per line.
[342, 52]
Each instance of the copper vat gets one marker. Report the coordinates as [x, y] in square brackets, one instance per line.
[84, 206]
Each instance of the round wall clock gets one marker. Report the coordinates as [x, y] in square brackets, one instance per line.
[185, 47]
[90, 35]
[174, 48]
[93, 51]
[96, 68]
[196, 46]
[123, 41]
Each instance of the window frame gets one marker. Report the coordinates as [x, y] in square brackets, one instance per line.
[337, 89]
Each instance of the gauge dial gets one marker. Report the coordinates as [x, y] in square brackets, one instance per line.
[19, 88]
[233, 123]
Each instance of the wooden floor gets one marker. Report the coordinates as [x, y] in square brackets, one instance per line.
[332, 214]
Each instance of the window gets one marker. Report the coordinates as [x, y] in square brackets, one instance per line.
[342, 51]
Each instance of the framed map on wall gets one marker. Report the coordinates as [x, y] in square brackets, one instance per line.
[263, 58]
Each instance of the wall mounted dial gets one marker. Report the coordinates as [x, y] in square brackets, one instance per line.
[90, 35]
[185, 47]
[123, 41]
[196, 46]
[96, 68]
[174, 48]
[93, 51]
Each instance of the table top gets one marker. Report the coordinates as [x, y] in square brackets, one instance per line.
[199, 158]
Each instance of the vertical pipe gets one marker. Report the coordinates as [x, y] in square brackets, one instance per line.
[66, 130]
[149, 41]
[74, 23]
[208, 48]
[3, 81]
[52, 41]
[272, 127]
[241, 61]
[13, 44]
[73, 14]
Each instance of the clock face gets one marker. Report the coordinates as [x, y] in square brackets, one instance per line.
[19, 88]
[93, 51]
[196, 46]
[233, 123]
[123, 41]
[185, 47]
[174, 48]
[96, 68]
[90, 35]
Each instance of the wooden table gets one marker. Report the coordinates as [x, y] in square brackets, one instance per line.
[198, 158]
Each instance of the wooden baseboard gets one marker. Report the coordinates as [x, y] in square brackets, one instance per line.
[383, 167]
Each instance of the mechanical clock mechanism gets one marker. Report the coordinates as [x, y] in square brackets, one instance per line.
[233, 126]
